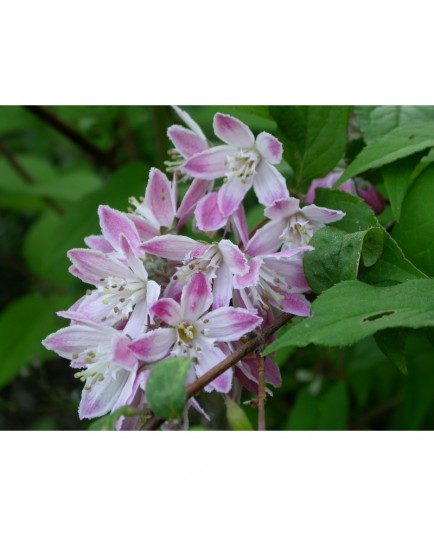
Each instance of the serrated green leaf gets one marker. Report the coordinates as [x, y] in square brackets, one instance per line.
[314, 137]
[23, 325]
[376, 121]
[337, 255]
[237, 418]
[392, 343]
[397, 144]
[165, 389]
[352, 310]
[415, 230]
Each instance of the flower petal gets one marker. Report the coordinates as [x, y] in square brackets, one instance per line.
[76, 339]
[113, 223]
[168, 310]
[222, 287]
[171, 247]
[233, 257]
[208, 358]
[158, 198]
[99, 243]
[231, 195]
[251, 278]
[145, 229]
[189, 121]
[239, 225]
[269, 184]
[95, 266]
[210, 164]
[320, 214]
[196, 297]
[186, 141]
[266, 239]
[134, 262]
[208, 215]
[232, 131]
[154, 345]
[296, 304]
[283, 208]
[269, 147]
[195, 193]
[229, 323]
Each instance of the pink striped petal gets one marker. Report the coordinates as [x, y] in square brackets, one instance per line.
[171, 247]
[187, 142]
[196, 297]
[269, 184]
[195, 193]
[232, 131]
[283, 208]
[229, 323]
[320, 214]
[269, 147]
[239, 225]
[103, 395]
[223, 383]
[266, 239]
[210, 164]
[208, 215]
[208, 358]
[122, 354]
[154, 345]
[251, 278]
[296, 304]
[189, 121]
[168, 310]
[222, 287]
[99, 243]
[233, 257]
[75, 339]
[158, 198]
[113, 223]
[231, 195]
[145, 229]
[94, 266]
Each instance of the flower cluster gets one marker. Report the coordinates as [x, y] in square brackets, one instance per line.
[158, 293]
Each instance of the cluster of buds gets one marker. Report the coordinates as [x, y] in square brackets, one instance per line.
[158, 293]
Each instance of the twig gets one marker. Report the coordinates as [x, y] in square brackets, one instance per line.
[261, 393]
[258, 226]
[27, 177]
[249, 347]
[104, 157]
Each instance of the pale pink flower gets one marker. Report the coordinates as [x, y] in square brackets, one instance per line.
[197, 333]
[244, 162]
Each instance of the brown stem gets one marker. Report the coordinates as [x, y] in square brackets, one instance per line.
[258, 226]
[55, 122]
[257, 341]
[261, 393]
[27, 177]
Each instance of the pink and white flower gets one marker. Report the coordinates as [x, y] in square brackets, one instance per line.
[197, 333]
[243, 161]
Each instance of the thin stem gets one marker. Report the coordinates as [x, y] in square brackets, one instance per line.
[261, 393]
[257, 341]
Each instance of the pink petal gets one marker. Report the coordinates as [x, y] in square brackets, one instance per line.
[95, 266]
[229, 323]
[327, 182]
[154, 345]
[187, 142]
[239, 225]
[171, 247]
[231, 195]
[196, 406]
[222, 287]
[138, 320]
[158, 198]
[233, 257]
[207, 359]
[196, 297]
[272, 372]
[113, 223]
[195, 193]
[133, 261]
[296, 304]
[210, 164]
[99, 243]
[251, 278]
[208, 215]
[75, 339]
[320, 214]
[269, 184]
[269, 147]
[283, 208]
[266, 239]
[145, 229]
[232, 131]
[189, 121]
[223, 383]
[168, 310]
[122, 354]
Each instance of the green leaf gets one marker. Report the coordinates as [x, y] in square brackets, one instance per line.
[376, 121]
[397, 144]
[397, 179]
[337, 255]
[314, 137]
[41, 171]
[165, 388]
[352, 310]
[415, 230]
[23, 325]
[237, 418]
[358, 215]
[392, 343]
[51, 237]
[108, 422]
[70, 187]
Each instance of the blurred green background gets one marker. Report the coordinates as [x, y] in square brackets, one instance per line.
[57, 164]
